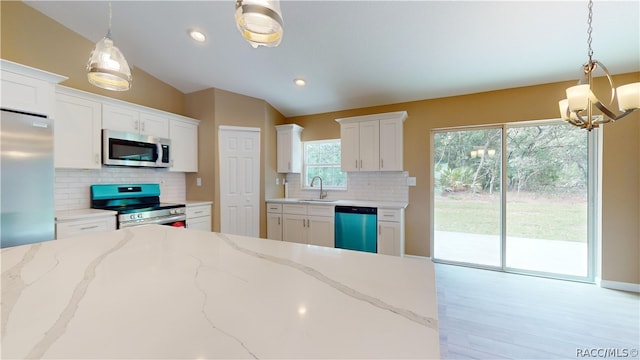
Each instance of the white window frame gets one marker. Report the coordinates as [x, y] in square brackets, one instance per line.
[303, 180]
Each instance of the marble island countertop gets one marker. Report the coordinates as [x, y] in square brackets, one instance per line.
[161, 292]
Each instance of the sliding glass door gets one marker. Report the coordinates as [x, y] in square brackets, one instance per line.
[467, 196]
[530, 217]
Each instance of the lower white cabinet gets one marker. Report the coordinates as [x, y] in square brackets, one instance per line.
[308, 224]
[83, 222]
[199, 216]
[274, 221]
[391, 232]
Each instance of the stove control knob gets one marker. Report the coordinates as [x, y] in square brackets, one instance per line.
[132, 217]
[172, 211]
[139, 216]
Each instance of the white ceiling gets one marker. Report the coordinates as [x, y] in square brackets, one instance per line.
[363, 53]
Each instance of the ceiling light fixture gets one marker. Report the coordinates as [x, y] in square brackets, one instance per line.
[107, 68]
[299, 82]
[260, 22]
[580, 98]
[197, 35]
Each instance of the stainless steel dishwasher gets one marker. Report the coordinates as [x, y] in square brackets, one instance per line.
[356, 228]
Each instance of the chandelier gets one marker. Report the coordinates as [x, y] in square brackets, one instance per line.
[260, 22]
[577, 108]
[107, 68]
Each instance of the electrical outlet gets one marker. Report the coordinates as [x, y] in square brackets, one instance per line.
[199, 181]
[277, 180]
[411, 181]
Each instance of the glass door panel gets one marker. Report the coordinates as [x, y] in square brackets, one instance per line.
[546, 201]
[467, 196]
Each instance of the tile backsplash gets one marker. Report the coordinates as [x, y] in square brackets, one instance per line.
[374, 186]
[72, 186]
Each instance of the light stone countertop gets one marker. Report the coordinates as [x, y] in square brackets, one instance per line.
[367, 203]
[198, 202]
[160, 292]
[72, 215]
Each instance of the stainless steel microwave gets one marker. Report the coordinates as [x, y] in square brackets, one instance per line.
[128, 149]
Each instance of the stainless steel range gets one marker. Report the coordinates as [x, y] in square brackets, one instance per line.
[137, 204]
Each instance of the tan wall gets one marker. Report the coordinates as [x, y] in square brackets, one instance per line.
[31, 38]
[621, 184]
[214, 108]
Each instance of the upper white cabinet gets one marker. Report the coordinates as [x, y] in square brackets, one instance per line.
[372, 142]
[289, 148]
[132, 120]
[77, 131]
[183, 133]
[28, 89]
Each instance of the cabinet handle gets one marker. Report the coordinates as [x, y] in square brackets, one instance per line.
[278, 220]
[135, 124]
[142, 122]
[381, 163]
[89, 227]
[308, 223]
[303, 223]
[356, 164]
[198, 212]
[361, 164]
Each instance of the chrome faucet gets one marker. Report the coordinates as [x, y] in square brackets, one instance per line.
[323, 194]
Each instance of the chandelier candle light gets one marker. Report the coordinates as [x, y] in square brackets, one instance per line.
[580, 98]
[107, 68]
[260, 22]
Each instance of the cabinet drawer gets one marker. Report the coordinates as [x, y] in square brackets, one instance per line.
[274, 208]
[320, 210]
[389, 214]
[198, 211]
[294, 209]
[83, 227]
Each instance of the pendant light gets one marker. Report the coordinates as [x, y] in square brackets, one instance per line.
[581, 99]
[260, 22]
[107, 68]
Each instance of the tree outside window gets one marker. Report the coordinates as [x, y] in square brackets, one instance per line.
[322, 158]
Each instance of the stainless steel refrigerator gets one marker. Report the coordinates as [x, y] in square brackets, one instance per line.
[26, 179]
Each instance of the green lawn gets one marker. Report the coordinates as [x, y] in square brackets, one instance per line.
[550, 218]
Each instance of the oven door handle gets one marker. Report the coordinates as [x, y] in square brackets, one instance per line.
[162, 220]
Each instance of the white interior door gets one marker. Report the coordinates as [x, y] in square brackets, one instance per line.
[239, 149]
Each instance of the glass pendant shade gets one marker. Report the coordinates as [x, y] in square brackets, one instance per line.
[107, 68]
[629, 96]
[578, 97]
[260, 22]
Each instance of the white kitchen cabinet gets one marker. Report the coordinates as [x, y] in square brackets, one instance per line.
[372, 142]
[274, 221]
[131, 119]
[77, 132]
[308, 224]
[199, 216]
[28, 89]
[183, 133]
[83, 222]
[289, 148]
[391, 231]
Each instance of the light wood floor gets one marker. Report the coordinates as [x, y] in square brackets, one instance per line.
[487, 314]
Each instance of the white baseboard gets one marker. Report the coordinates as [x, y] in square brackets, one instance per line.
[617, 285]
[418, 257]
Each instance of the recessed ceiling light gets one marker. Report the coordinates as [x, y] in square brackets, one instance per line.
[197, 35]
[299, 82]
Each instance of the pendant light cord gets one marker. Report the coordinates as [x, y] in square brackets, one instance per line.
[589, 30]
[110, 14]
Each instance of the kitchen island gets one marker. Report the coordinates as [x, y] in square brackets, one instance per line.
[159, 292]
